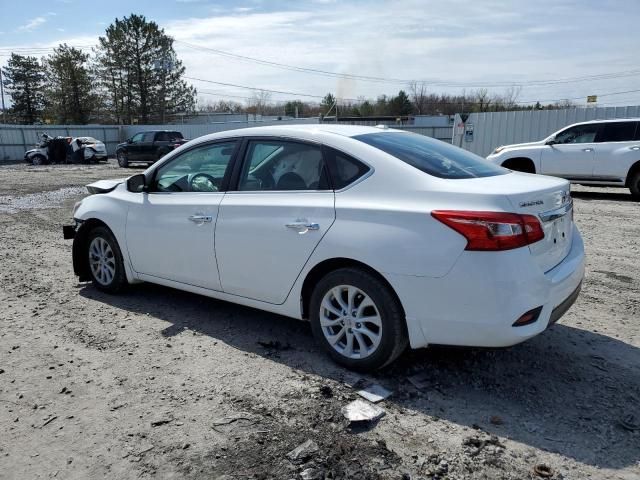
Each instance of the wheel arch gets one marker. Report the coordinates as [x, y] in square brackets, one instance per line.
[80, 261]
[632, 171]
[520, 164]
[330, 265]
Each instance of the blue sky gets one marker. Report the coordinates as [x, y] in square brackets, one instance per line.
[454, 45]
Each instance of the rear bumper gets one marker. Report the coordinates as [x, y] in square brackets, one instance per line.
[478, 301]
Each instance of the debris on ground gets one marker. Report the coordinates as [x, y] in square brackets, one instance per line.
[361, 411]
[419, 380]
[374, 393]
[543, 470]
[629, 422]
[303, 452]
[161, 421]
[496, 420]
[312, 474]
[326, 391]
[274, 345]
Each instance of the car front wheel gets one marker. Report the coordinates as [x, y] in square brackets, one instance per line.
[358, 319]
[104, 258]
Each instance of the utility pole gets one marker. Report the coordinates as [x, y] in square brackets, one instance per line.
[2, 95]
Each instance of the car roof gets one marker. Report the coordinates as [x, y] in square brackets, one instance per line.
[609, 120]
[300, 131]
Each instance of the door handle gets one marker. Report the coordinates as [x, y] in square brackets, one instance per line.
[587, 149]
[303, 227]
[201, 218]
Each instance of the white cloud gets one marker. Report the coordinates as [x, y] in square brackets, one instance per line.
[33, 24]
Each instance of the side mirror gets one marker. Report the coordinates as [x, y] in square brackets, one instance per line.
[129, 140]
[137, 183]
[551, 141]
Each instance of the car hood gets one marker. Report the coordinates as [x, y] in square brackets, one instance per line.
[123, 144]
[104, 186]
[521, 145]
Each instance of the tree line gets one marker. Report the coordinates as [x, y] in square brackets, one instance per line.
[134, 76]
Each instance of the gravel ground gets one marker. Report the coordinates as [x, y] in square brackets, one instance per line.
[157, 383]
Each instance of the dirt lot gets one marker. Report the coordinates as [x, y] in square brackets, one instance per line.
[156, 383]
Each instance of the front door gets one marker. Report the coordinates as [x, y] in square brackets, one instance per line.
[133, 148]
[572, 153]
[269, 227]
[171, 229]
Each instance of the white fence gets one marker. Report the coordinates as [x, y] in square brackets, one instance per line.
[492, 129]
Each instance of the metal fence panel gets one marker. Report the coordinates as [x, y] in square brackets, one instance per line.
[492, 129]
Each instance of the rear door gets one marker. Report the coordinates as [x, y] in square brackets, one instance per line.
[616, 150]
[572, 156]
[268, 228]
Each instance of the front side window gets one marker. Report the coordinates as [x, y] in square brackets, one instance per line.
[616, 132]
[432, 156]
[148, 137]
[200, 169]
[578, 134]
[137, 138]
[283, 165]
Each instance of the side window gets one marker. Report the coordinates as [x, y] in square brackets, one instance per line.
[198, 170]
[148, 137]
[283, 165]
[617, 132]
[344, 169]
[162, 137]
[137, 138]
[578, 134]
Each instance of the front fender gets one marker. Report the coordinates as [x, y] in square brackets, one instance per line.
[106, 209]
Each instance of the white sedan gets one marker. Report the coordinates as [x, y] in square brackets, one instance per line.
[380, 238]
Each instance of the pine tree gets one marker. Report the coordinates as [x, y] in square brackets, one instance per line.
[70, 98]
[141, 72]
[25, 83]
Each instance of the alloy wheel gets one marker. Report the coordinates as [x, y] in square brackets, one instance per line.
[350, 321]
[102, 261]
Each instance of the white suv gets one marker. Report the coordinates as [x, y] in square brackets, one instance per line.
[603, 152]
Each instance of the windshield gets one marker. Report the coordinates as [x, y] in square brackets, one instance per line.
[432, 156]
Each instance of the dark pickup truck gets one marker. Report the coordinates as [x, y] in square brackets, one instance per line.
[148, 147]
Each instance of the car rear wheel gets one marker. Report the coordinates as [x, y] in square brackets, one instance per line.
[358, 319]
[123, 161]
[634, 185]
[104, 258]
[38, 160]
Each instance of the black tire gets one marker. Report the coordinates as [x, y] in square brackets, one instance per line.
[394, 338]
[123, 161]
[634, 185]
[119, 278]
[39, 160]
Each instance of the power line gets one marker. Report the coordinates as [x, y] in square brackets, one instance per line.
[603, 76]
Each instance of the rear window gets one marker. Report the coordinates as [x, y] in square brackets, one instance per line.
[616, 132]
[432, 156]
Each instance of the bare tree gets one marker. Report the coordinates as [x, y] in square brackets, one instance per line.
[419, 97]
[482, 99]
[259, 101]
[510, 97]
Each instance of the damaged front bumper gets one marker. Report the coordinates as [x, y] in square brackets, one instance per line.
[69, 231]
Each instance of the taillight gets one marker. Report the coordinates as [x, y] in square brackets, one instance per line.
[491, 231]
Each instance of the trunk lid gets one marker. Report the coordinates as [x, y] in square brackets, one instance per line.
[548, 198]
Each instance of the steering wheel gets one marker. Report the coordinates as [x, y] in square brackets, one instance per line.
[193, 185]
